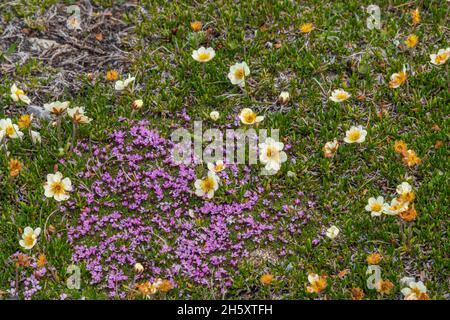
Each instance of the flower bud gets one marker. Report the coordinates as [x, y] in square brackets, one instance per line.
[284, 97]
[137, 104]
[214, 115]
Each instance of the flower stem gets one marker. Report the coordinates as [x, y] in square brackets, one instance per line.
[74, 133]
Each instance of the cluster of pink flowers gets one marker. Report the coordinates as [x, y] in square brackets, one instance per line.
[138, 205]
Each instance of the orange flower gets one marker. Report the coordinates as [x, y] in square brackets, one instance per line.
[146, 288]
[411, 159]
[384, 286]
[317, 283]
[163, 285]
[400, 146]
[41, 261]
[196, 26]
[374, 258]
[357, 294]
[409, 214]
[411, 41]
[266, 279]
[22, 260]
[112, 75]
[25, 121]
[306, 27]
[415, 16]
[423, 296]
[14, 167]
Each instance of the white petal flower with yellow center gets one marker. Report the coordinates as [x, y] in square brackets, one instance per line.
[332, 232]
[271, 154]
[10, 130]
[57, 187]
[355, 135]
[77, 115]
[203, 55]
[207, 186]
[339, 95]
[217, 167]
[248, 116]
[57, 107]
[395, 207]
[121, 85]
[376, 206]
[397, 79]
[238, 72]
[414, 290]
[441, 57]
[18, 94]
[29, 237]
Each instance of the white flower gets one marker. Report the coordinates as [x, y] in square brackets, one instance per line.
[248, 116]
[355, 134]
[123, 84]
[78, 116]
[18, 94]
[284, 97]
[57, 187]
[397, 79]
[203, 55]
[415, 290]
[57, 107]
[403, 188]
[271, 154]
[238, 72]
[214, 115]
[207, 186]
[29, 237]
[8, 129]
[339, 95]
[35, 137]
[395, 207]
[332, 232]
[441, 57]
[376, 206]
[217, 167]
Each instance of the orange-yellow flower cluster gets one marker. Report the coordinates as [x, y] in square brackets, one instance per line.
[410, 157]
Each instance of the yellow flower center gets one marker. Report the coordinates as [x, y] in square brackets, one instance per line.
[19, 92]
[441, 57]
[272, 152]
[354, 135]
[203, 56]
[239, 73]
[207, 185]
[10, 130]
[250, 117]
[29, 239]
[341, 96]
[218, 167]
[407, 197]
[376, 207]
[58, 188]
